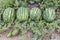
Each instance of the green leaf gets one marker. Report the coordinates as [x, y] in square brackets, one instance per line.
[15, 32]
[23, 37]
[9, 34]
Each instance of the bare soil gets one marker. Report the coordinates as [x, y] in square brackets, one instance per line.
[52, 36]
[55, 36]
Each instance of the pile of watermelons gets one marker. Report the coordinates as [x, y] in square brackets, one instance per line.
[38, 16]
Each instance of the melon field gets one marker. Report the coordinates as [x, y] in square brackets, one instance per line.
[29, 19]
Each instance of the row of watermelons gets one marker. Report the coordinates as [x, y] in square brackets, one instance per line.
[36, 20]
[23, 14]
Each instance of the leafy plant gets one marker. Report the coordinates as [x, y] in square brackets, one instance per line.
[16, 3]
[15, 32]
[4, 26]
[41, 23]
[9, 34]
[6, 3]
[23, 37]
[51, 3]
[35, 37]
[23, 3]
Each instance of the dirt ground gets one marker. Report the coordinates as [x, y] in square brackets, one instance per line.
[18, 37]
[55, 36]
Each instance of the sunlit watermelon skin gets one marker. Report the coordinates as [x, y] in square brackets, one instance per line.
[49, 14]
[8, 15]
[35, 13]
[22, 14]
